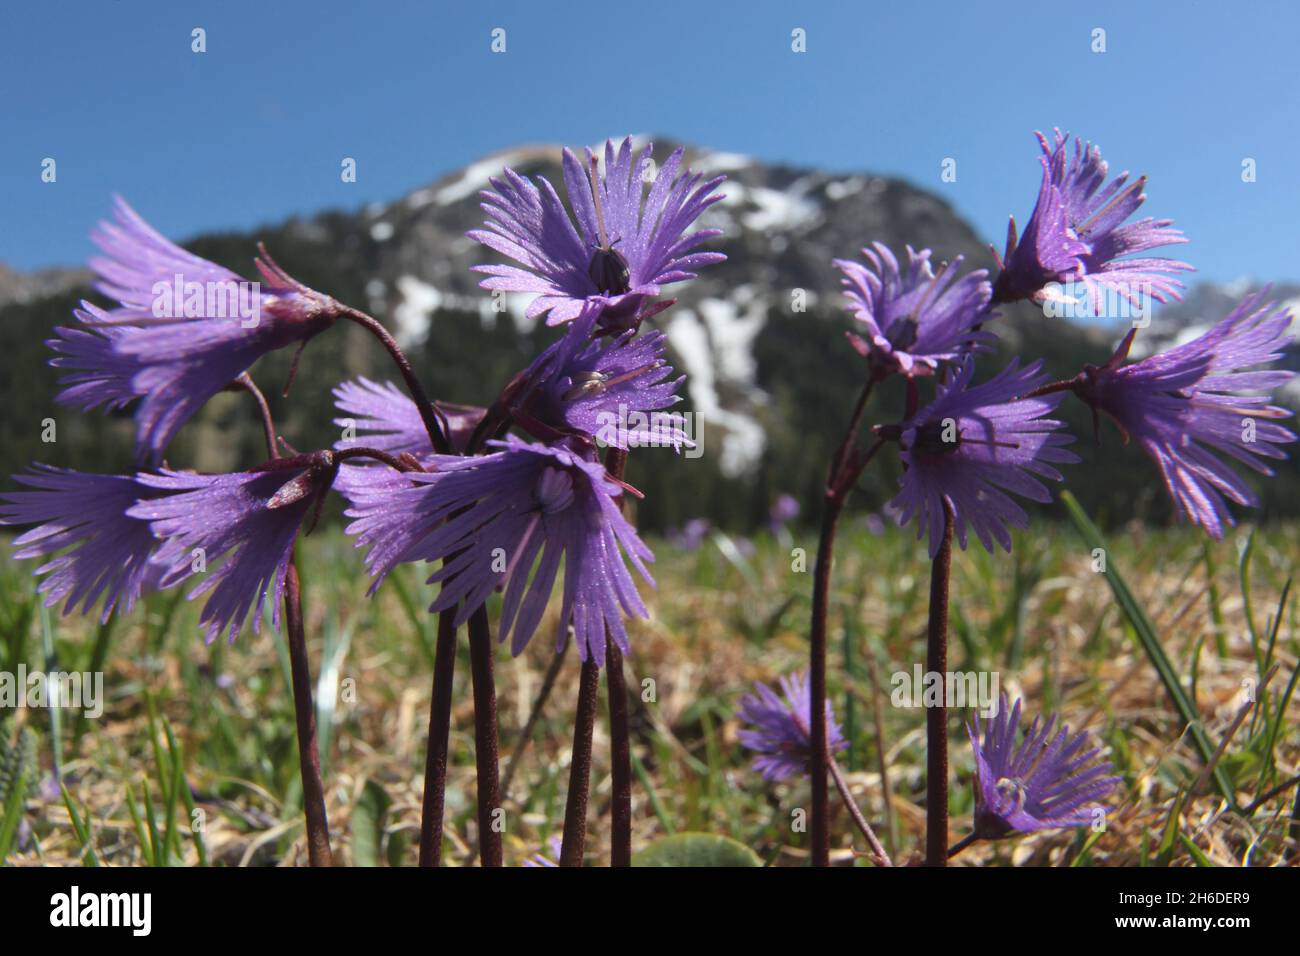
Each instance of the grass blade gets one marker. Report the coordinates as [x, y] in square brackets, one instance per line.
[1150, 644]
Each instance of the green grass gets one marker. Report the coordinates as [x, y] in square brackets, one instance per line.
[194, 759]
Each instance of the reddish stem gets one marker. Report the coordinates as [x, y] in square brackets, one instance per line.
[435, 759]
[485, 737]
[575, 808]
[936, 717]
[313, 792]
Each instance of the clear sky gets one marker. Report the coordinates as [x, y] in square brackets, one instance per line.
[254, 129]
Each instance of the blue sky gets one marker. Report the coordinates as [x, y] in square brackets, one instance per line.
[254, 129]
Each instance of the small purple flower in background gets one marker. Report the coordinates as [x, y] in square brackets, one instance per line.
[542, 860]
[490, 519]
[971, 445]
[916, 318]
[1078, 233]
[622, 252]
[784, 510]
[1048, 782]
[691, 535]
[253, 517]
[613, 390]
[781, 731]
[183, 329]
[1185, 404]
[111, 551]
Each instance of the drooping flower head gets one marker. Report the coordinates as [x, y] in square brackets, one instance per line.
[384, 417]
[509, 519]
[1202, 397]
[183, 329]
[380, 415]
[612, 390]
[1078, 232]
[973, 445]
[623, 250]
[1049, 781]
[781, 734]
[914, 318]
[251, 518]
[109, 552]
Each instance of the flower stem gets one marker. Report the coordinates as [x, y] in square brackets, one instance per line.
[846, 467]
[575, 808]
[620, 852]
[427, 412]
[842, 785]
[485, 737]
[304, 710]
[936, 717]
[820, 834]
[435, 761]
[961, 844]
[313, 792]
[245, 382]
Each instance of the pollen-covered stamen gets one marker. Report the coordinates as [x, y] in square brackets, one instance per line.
[1082, 230]
[592, 382]
[607, 269]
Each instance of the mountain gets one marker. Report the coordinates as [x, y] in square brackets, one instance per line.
[772, 382]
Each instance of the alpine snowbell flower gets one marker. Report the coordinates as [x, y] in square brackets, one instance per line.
[1049, 781]
[781, 728]
[109, 551]
[622, 252]
[380, 415]
[1078, 232]
[1184, 405]
[915, 318]
[970, 446]
[253, 518]
[494, 519]
[613, 390]
[183, 329]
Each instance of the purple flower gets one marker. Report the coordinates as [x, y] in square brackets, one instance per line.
[914, 318]
[110, 551]
[384, 417]
[183, 329]
[784, 510]
[1048, 782]
[610, 389]
[622, 251]
[1184, 405]
[1078, 233]
[970, 446]
[494, 519]
[252, 518]
[781, 735]
[542, 860]
[692, 534]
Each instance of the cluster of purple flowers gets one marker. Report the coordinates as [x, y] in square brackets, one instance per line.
[974, 446]
[496, 510]
[975, 443]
